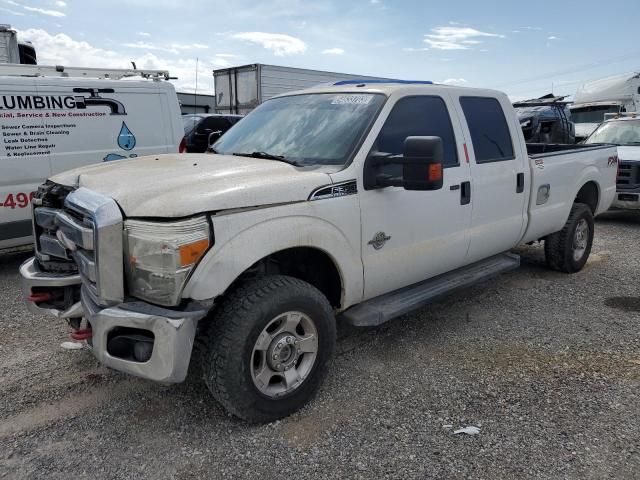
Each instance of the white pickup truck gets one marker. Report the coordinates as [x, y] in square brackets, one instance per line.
[355, 202]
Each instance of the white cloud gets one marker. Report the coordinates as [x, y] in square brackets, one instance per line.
[454, 81]
[150, 46]
[12, 12]
[190, 46]
[60, 3]
[412, 49]
[455, 38]
[44, 11]
[279, 43]
[553, 37]
[60, 49]
[144, 34]
[226, 55]
[333, 51]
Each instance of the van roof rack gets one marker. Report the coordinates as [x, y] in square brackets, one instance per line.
[12, 69]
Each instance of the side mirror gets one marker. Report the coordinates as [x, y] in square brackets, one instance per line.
[421, 163]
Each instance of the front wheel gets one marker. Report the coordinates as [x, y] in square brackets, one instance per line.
[568, 250]
[268, 348]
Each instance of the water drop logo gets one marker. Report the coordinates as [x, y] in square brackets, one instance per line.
[126, 139]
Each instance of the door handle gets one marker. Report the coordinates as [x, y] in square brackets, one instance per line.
[520, 183]
[465, 193]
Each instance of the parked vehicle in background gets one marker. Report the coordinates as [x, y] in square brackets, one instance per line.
[617, 94]
[54, 119]
[545, 120]
[241, 89]
[354, 202]
[13, 50]
[200, 130]
[623, 130]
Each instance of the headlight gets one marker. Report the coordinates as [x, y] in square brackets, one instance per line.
[160, 256]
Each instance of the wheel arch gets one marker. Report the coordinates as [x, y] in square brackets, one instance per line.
[589, 194]
[256, 249]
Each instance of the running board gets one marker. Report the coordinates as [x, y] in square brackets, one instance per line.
[390, 305]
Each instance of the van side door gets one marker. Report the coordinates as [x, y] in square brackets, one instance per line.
[499, 172]
[409, 236]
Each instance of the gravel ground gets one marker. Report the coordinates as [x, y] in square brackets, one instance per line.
[547, 365]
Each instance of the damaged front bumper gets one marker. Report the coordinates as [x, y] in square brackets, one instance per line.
[170, 333]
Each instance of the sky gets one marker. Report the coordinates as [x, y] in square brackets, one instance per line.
[526, 49]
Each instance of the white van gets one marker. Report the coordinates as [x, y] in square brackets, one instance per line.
[54, 119]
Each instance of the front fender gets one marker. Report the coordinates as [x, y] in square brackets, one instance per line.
[242, 239]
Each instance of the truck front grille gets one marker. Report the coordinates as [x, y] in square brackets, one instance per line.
[83, 233]
[628, 175]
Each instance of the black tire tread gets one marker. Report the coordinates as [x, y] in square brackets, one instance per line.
[225, 333]
[556, 244]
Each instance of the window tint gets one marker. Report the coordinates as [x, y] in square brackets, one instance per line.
[417, 116]
[489, 129]
[214, 124]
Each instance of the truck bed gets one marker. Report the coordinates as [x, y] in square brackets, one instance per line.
[563, 170]
[536, 150]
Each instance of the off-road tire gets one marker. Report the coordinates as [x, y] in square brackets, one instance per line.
[235, 327]
[558, 247]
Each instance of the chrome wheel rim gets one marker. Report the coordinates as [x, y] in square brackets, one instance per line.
[580, 240]
[284, 354]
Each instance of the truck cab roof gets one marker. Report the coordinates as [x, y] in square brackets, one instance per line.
[390, 87]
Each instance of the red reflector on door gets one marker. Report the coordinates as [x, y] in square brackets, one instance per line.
[466, 152]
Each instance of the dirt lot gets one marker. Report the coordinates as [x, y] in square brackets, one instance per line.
[547, 365]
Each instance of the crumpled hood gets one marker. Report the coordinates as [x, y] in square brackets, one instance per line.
[629, 153]
[179, 185]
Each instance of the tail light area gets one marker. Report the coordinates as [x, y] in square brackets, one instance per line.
[182, 148]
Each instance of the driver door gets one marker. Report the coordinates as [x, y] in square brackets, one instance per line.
[409, 236]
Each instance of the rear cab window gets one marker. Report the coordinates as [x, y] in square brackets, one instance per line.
[488, 128]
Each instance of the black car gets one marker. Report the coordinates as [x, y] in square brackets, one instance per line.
[199, 127]
[546, 120]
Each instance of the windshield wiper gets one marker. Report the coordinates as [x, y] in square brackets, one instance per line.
[268, 156]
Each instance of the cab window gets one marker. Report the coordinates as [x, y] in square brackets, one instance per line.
[417, 116]
[489, 130]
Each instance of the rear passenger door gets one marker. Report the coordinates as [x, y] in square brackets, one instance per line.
[497, 176]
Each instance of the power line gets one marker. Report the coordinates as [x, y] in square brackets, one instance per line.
[576, 69]
[563, 85]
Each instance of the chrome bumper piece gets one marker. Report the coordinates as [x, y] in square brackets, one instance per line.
[173, 331]
[32, 276]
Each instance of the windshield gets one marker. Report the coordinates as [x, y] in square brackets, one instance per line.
[312, 129]
[189, 122]
[626, 132]
[593, 114]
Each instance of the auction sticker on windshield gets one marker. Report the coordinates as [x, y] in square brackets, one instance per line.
[355, 99]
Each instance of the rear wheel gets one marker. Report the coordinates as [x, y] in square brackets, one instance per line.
[268, 348]
[568, 250]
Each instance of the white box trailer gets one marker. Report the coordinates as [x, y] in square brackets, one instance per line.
[9, 50]
[241, 89]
